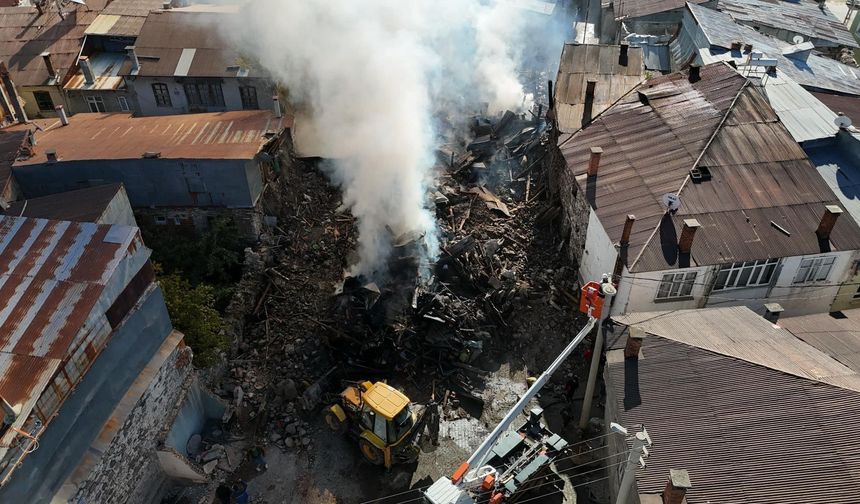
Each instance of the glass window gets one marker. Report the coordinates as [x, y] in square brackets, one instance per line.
[162, 95]
[207, 95]
[399, 425]
[249, 97]
[367, 418]
[745, 274]
[814, 269]
[123, 103]
[379, 427]
[43, 100]
[96, 103]
[676, 285]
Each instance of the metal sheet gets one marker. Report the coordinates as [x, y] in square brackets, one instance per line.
[184, 63]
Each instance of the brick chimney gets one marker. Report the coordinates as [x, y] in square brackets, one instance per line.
[594, 161]
[628, 228]
[49, 65]
[676, 486]
[635, 336]
[828, 220]
[685, 243]
[87, 69]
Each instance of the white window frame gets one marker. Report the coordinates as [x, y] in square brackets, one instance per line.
[123, 103]
[814, 269]
[676, 286]
[740, 275]
[96, 101]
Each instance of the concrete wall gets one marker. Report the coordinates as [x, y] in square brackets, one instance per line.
[145, 98]
[640, 290]
[128, 469]
[151, 182]
[30, 107]
[599, 253]
[248, 220]
[77, 100]
[848, 296]
[576, 211]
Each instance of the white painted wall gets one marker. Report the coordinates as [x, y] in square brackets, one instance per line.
[229, 87]
[599, 254]
[641, 289]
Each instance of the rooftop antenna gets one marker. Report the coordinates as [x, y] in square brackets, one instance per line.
[797, 39]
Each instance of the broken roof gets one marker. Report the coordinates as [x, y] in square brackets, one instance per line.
[216, 135]
[187, 44]
[81, 205]
[811, 19]
[628, 9]
[52, 274]
[10, 142]
[836, 334]
[655, 135]
[123, 17]
[601, 64]
[815, 71]
[789, 438]
[25, 35]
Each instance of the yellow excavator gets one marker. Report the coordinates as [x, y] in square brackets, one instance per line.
[389, 427]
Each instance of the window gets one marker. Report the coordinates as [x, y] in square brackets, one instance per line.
[399, 425]
[815, 269]
[207, 95]
[43, 100]
[123, 103]
[676, 285]
[249, 97]
[162, 95]
[379, 427]
[745, 274]
[96, 103]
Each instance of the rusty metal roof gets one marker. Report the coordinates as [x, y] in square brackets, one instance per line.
[629, 9]
[165, 35]
[805, 18]
[836, 334]
[10, 142]
[81, 205]
[747, 433]
[123, 17]
[106, 69]
[25, 35]
[601, 64]
[657, 133]
[848, 105]
[216, 135]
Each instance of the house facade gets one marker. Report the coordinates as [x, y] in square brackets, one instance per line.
[708, 202]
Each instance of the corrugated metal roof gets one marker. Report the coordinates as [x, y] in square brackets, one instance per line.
[217, 135]
[836, 334]
[758, 173]
[600, 64]
[167, 35]
[123, 17]
[10, 142]
[629, 9]
[848, 105]
[811, 19]
[22, 380]
[721, 31]
[106, 68]
[748, 433]
[25, 35]
[82, 205]
[803, 115]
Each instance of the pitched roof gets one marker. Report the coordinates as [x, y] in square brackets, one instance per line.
[188, 44]
[848, 105]
[655, 135]
[816, 72]
[217, 135]
[803, 115]
[81, 205]
[598, 63]
[628, 9]
[123, 17]
[25, 35]
[836, 334]
[805, 18]
[52, 274]
[751, 420]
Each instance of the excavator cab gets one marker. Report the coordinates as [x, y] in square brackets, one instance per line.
[383, 420]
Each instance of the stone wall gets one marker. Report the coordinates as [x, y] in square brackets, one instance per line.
[128, 471]
[575, 208]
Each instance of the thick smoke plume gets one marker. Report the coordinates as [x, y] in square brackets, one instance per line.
[367, 76]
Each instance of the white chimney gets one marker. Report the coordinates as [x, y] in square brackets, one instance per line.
[87, 69]
[61, 113]
[135, 63]
[276, 106]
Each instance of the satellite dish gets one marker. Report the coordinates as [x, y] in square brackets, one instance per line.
[842, 121]
[671, 201]
[797, 39]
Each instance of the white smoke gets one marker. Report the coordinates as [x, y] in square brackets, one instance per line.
[366, 75]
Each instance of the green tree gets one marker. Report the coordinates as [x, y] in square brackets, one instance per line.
[192, 310]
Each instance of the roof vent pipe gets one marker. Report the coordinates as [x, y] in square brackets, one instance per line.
[51, 154]
[772, 311]
[132, 55]
[87, 69]
[276, 106]
[50, 66]
[594, 161]
[61, 113]
[685, 243]
[628, 228]
[828, 220]
[677, 486]
[166, 5]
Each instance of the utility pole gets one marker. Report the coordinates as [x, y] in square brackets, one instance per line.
[607, 290]
[635, 457]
